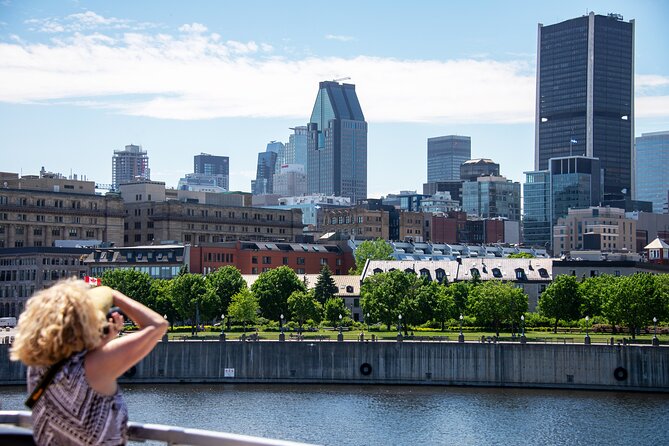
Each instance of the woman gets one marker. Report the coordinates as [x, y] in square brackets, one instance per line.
[64, 330]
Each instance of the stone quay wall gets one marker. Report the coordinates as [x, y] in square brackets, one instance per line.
[569, 366]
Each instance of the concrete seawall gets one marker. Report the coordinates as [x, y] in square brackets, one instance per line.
[639, 368]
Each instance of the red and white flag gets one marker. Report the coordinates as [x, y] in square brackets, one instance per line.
[92, 281]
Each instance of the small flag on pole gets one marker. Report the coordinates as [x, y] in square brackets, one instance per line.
[92, 281]
[573, 141]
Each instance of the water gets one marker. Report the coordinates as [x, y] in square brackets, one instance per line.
[400, 415]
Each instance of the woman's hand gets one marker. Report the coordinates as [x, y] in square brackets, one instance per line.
[114, 327]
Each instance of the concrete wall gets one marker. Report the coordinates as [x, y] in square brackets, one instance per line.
[415, 363]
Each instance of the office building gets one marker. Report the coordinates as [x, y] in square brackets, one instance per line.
[652, 170]
[445, 155]
[492, 197]
[576, 183]
[537, 226]
[594, 228]
[129, 165]
[337, 143]
[585, 95]
[291, 181]
[218, 167]
[470, 170]
[296, 148]
[264, 182]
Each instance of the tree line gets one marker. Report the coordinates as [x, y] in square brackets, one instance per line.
[631, 301]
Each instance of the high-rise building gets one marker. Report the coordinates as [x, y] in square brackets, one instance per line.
[445, 155]
[291, 181]
[264, 182]
[215, 166]
[296, 149]
[130, 165]
[470, 170]
[337, 143]
[585, 95]
[492, 197]
[652, 175]
[537, 227]
[280, 149]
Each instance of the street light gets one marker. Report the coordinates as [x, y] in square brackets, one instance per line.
[399, 324]
[587, 335]
[656, 341]
[165, 337]
[461, 336]
[222, 335]
[367, 319]
[522, 336]
[281, 323]
[340, 318]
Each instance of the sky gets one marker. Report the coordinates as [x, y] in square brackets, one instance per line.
[80, 79]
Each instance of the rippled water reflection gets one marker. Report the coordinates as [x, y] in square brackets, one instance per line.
[401, 415]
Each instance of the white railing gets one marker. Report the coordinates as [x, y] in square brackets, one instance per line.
[170, 435]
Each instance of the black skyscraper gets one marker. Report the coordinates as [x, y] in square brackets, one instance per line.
[585, 95]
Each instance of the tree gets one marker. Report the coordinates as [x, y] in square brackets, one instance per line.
[333, 308]
[520, 255]
[594, 292]
[494, 303]
[445, 308]
[272, 290]
[325, 286]
[190, 298]
[377, 249]
[244, 307]
[635, 301]
[561, 299]
[460, 293]
[224, 283]
[134, 284]
[160, 299]
[304, 306]
[387, 295]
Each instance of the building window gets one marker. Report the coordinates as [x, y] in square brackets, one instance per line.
[266, 260]
[254, 260]
[285, 260]
[300, 271]
[324, 261]
[300, 260]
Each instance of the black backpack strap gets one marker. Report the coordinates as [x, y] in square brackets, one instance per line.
[39, 389]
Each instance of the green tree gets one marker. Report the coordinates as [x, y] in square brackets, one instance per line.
[494, 303]
[333, 308]
[460, 293]
[520, 255]
[244, 307]
[190, 298]
[272, 290]
[160, 299]
[387, 295]
[326, 287]
[377, 249]
[134, 284]
[445, 308]
[304, 306]
[224, 283]
[594, 292]
[635, 301]
[561, 300]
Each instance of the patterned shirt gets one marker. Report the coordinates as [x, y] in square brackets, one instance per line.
[71, 413]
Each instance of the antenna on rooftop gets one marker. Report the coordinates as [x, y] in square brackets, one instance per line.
[339, 79]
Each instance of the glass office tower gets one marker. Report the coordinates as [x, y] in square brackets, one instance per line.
[215, 166]
[537, 227]
[445, 155]
[337, 143]
[585, 95]
[652, 176]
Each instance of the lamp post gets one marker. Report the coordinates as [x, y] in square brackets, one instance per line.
[399, 327]
[340, 336]
[523, 339]
[461, 336]
[367, 320]
[656, 341]
[282, 335]
[587, 335]
[222, 335]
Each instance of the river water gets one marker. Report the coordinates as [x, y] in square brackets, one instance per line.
[400, 415]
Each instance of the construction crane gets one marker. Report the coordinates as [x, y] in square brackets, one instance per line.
[341, 79]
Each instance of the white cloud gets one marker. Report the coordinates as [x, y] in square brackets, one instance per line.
[199, 75]
[84, 21]
[339, 37]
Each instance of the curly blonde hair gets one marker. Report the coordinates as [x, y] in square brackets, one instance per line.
[57, 322]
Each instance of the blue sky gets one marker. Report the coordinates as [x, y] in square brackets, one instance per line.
[80, 79]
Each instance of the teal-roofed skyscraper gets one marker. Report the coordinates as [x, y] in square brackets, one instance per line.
[337, 143]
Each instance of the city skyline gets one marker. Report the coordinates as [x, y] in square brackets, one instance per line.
[84, 79]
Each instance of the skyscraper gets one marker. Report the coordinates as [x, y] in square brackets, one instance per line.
[492, 197]
[337, 143]
[445, 155]
[267, 161]
[652, 179]
[129, 165]
[585, 95]
[216, 166]
[296, 149]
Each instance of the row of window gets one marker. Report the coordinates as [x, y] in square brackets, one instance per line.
[41, 202]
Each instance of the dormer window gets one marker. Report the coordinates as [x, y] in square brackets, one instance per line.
[475, 272]
[520, 274]
[543, 273]
[497, 273]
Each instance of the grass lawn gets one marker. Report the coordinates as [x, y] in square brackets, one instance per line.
[448, 335]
